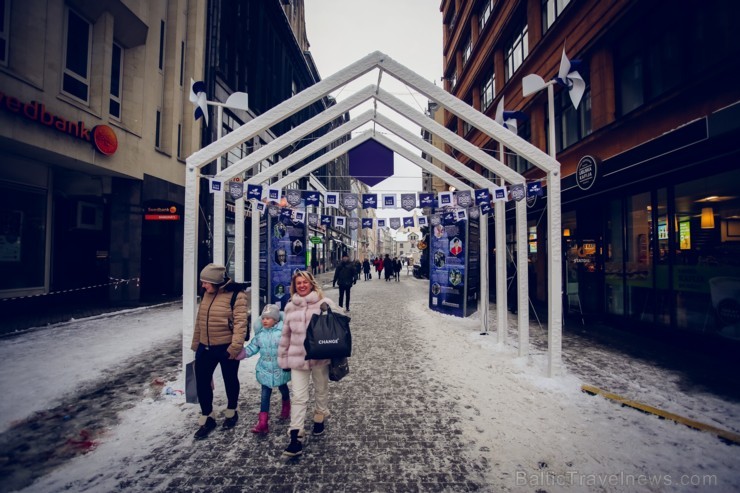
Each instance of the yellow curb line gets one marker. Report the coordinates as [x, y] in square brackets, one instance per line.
[723, 434]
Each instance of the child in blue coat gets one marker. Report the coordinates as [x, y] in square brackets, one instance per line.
[267, 335]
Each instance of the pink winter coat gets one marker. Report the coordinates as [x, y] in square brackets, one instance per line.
[298, 312]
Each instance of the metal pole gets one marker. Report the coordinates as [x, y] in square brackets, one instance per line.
[554, 247]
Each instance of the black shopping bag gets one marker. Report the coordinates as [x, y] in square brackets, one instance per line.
[328, 335]
[338, 369]
[191, 389]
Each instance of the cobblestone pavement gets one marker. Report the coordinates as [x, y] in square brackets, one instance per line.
[394, 426]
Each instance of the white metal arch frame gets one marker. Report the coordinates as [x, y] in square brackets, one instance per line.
[459, 108]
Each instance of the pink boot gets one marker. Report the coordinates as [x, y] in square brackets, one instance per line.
[285, 412]
[261, 426]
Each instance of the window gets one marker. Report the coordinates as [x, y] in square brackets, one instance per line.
[76, 74]
[157, 130]
[182, 61]
[453, 79]
[467, 50]
[488, 92]
[571, 125]
[515, 161]
[179, 140]
[516, 50]
[162, 26]
[4, 31]
[116, 78]
[551, 9]
[485, 13]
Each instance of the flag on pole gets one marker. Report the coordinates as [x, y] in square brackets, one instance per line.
[199, 99]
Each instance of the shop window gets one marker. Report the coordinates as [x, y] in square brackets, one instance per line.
[638, 261]
[516, 49]
[4, 31]
[551, 10]
[22, 237]
[614, 259]
[116, 79]
[77, 54]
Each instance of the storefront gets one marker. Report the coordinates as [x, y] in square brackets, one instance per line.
[651, 237]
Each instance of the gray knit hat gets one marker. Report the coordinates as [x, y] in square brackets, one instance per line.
[213, 273]
[271, 311]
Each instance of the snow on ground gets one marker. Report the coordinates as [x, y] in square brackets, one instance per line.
[536, 432]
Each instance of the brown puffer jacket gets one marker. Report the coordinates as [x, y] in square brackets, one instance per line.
[214, 313]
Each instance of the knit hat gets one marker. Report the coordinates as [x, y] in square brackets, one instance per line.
[271, 311]
[213, 273]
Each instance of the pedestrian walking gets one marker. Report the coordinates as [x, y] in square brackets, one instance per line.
[267, 332]
[344, 275]
[389, 267]
[306, 300]
[397, 269]
[358, 269]
[366, 269]
[218, 338]
[378, 266]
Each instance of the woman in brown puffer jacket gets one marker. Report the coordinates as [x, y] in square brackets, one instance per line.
[218, 338]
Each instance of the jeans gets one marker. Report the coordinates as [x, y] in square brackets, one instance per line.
[342, 291]
[267, 393]
[206, 361]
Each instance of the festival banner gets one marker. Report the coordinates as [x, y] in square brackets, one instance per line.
[353, 223]
[216, 185]
[461, 215]
[517, 192]
[445, 199]
[254, 192]
[369, 200]
[534, 189]
[367, 223]
[422, 221]
[313, 219]
[482, 196]
[408, 201]
[485, 208]
[448, 218]
[464, 198]
[339, 221]
[286, 214]
[426, 200]
[331, 199]
[325, 220]
[381, 223]
[299, 216]
[293, 196]
[273, 194]
[408, 222]
[499, 194]
[349, 201]
[236, 190]
[311, 197]
[273, 210]
[395, 222]
[389, 201]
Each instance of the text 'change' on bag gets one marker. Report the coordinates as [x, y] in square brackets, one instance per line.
[328, 335]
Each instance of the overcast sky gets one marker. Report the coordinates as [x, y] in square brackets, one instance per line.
[341, 32]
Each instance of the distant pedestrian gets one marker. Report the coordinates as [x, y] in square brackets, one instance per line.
[314, 265]
[366, 269]
[344, 276]
[397, 266]
[267, 332]
[358, 269]
[306, 300]
[218, 338]
[378, 266]
[389, 267]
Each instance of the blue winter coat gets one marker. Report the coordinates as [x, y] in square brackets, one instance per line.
[265, 342]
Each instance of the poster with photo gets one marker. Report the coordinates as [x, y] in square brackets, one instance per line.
[447, 268]
[286, 254]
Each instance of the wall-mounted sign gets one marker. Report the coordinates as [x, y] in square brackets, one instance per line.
[102, 137]
[586, 172]
[164, 213]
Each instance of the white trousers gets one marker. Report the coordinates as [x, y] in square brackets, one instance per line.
[299, 400]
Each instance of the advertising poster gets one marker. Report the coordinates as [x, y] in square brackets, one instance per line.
[472, 289]
[447, 257]
[286, 254]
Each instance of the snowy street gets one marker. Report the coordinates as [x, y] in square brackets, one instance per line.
[430, 405]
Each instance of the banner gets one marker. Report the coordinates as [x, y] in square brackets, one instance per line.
[408, 222]
[485, 208]
[422, 221]
[236, 190]
[299, 217]
[482, 196]
[293, 196]
[273, 194]
[349, 201]
[313, 219]
[325, 220]
[353, 223]
[367, 223]
[261, 206]
[448, 218]
[331, 199]
[389, 201]
[464, 198]
[369, 201]
[273, 210]
[381, 223]
[499, 194]
[534, 189]
[311, 197]
[408, 201]
[254, 192]
[445, 199]
[426, 200]
[286, 214]
[216, 185]
[461, 215]
[339, 221]
[517, 192]
[395, 222]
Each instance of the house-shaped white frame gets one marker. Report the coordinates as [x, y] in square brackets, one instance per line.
[378, 60]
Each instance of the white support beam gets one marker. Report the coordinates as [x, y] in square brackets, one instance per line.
[255, 262]
[502, 316]
[522, 273]
[239, 218]
[190, 259]
[219, 226]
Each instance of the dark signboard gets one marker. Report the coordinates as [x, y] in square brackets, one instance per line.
[586, 172]
[286, 254]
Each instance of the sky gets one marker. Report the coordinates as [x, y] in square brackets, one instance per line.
[523, 417]
[340, 32]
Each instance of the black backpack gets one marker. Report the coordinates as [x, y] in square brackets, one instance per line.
[234, 295]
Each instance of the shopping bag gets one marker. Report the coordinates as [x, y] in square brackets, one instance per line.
[328, 335]
[338, 369]
[191, 389]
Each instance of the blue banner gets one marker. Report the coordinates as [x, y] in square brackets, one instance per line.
[311, 197]
[369, 200]
[447, 254]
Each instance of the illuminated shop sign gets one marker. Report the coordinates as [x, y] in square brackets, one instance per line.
[170, 213]
[102, 137]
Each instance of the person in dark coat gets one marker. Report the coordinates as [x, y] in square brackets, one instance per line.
[344, 275]
[397, 266]
[366, 269]
[358, 269]
[389, 268]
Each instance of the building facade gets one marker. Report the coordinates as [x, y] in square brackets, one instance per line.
[95, 124]
[648, 158]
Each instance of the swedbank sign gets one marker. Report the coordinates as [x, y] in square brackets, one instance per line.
[102, 137]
